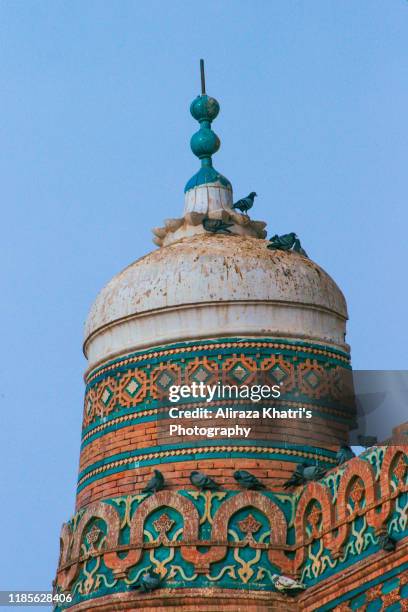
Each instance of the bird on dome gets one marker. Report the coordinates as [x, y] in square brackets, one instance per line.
[286, 242]
[245, 203]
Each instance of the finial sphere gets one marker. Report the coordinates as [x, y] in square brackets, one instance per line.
[204, 143]
[204, 108]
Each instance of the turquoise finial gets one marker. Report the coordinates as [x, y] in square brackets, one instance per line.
[204, 143]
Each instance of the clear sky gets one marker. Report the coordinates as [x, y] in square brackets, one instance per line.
[94, 152]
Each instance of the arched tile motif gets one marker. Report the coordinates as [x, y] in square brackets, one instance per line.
[391, 456]
[147, 506]
[173, 500]
[98, 510]
[313, 492]
[290, 548]
[66, 543]
[276, 517]
[356, 469]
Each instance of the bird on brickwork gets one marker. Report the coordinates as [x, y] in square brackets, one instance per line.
[149, 581]
[287, 585]
[344, 454]
[203, 482]
[216, 226]
[246, 480]
[304, 473]
[387, 543]
[313, 472]
[156, 483]
[297, 477]
[245, 203]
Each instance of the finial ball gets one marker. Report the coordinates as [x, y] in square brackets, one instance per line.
[204, 108]
[204, 143]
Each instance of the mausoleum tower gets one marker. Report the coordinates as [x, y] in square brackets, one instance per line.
[211, 306]
[212, 303]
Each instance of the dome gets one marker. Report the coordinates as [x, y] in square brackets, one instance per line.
[213, 285]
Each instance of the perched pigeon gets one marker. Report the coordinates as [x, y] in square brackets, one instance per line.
[149, 581]
[313, 472]
[297, 247]
[156, 483]
[246, 203]
[297, 477]
[387, 543]
[217, 226]
[286, 242]
[282, 243]
[203, 482]
[247, 480]
[287, 585]
[304, 473]
[344, 454]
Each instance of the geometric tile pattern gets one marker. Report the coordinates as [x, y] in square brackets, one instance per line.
[202, 370]
[239, 370]
[163, 377]
[132, 388]
[304, 373]
[279, 371]
[313, 379]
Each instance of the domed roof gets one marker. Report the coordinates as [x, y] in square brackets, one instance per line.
[214, 268]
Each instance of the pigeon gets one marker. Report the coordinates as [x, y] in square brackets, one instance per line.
[297, 477]
[156, 483]
[217, 226]
[387, 543]
[246, 203]
[313, 472]
[203, 482]
[150, 581]
[344, 454]
[304, 473]
[286, 242]
[287, 585]
[248, 481]
[298, 248]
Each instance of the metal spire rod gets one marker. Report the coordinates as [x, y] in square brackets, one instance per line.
[202, 77]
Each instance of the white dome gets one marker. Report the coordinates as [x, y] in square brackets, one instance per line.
[214, 285]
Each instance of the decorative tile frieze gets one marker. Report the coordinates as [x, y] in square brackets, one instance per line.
[239, 540]
[306, 373]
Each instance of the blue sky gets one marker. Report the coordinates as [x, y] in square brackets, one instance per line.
[94, 152]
